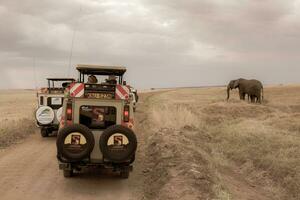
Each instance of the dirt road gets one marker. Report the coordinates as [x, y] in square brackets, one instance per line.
[30, 171]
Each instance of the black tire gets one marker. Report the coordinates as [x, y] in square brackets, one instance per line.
[82, 151]
[118, 155]
[132, 159]
[44, 132]
[68, 173]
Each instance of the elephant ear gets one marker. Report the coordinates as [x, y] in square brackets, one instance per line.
[236, 84]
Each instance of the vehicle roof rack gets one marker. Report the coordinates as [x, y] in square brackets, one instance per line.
[101, 70]
[60, 79]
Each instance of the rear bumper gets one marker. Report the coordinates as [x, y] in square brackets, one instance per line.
[115, 167]
[49, 126]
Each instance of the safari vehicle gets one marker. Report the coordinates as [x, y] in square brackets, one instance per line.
[135, 98]
[96, 129]
[50, 99]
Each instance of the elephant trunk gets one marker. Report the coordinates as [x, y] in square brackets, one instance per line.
[228, 91]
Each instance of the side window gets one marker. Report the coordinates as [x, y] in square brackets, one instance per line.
[98, 117]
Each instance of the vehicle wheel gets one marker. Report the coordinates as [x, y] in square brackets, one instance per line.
[132, 159]
[68, 173]
[44, 132]
[75, 142]
[118, 144]
[124, 174]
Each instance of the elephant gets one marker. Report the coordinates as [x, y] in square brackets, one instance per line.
[252, 98]
[253, 88]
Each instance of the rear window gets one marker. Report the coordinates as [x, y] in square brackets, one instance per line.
[98, 117]
[54, 102]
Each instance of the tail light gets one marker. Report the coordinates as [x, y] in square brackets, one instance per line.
[126, 113]
[69, 111]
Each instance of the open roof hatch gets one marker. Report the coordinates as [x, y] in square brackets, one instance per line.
[101, 70]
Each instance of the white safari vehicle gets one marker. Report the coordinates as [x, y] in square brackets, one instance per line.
[96, 129]
[50, 100]
[135, 98]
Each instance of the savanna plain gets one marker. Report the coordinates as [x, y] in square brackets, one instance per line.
[193, 144]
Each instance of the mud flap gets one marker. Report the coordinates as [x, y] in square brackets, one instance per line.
[64, 166]
[123, 168]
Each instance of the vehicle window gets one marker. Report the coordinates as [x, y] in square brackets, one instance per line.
[54, 102]
[98, 117]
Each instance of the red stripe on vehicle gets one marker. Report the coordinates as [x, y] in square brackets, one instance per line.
[125, 94]
[118, 94]
[77, 90]
[121, 89]
[71, 85]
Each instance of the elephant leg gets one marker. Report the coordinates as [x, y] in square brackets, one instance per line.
[241, 95]
[244, 96]
[252, 99]
[258, 99]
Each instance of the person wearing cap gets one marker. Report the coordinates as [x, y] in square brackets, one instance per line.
[92, 79]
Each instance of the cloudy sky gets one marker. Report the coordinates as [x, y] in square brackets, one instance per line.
[164, 43]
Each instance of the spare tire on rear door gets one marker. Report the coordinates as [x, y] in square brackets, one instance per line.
[44, 115]
[118, 144]
[75, 142]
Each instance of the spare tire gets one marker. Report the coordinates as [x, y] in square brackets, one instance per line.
[118, 143]
[59, 114]
[75, 142]
[44, 115]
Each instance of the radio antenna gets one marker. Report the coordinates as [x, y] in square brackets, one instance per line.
[72, 42]
[34, 74]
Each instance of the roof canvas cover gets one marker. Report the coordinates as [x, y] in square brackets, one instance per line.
[101, 70]
[60, 79]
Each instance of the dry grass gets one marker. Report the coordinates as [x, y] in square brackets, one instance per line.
[17, 115]
[260, 141]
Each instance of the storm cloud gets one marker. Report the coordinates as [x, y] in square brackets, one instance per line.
[164, 43]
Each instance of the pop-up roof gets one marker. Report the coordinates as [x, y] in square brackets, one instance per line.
[101, 70]
[61, 79]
